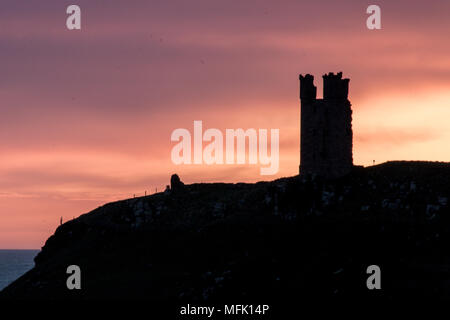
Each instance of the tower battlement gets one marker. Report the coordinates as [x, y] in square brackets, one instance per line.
[307, 88]
[326, 140]
[334, 87]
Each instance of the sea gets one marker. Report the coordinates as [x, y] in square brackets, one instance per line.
[14, 263]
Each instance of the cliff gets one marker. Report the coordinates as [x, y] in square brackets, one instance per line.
[290, 238]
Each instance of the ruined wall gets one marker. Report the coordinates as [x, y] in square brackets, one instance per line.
[326, 127]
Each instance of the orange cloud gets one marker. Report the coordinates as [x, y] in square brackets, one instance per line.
[86, 117]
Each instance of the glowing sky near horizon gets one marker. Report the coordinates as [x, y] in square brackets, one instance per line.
[86, 116]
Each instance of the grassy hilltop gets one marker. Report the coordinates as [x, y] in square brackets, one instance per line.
[289, 238]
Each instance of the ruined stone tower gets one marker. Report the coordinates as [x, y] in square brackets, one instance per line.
[326, 127]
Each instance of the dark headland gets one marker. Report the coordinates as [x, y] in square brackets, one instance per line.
[285, 239]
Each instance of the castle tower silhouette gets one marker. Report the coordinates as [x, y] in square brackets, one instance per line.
[326, 127]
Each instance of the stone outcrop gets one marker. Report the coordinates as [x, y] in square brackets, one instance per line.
[176, 185]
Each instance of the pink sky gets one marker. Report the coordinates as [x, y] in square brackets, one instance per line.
[86, 116]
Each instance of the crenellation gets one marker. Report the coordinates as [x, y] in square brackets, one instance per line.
[334, 87]
[307, 88]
